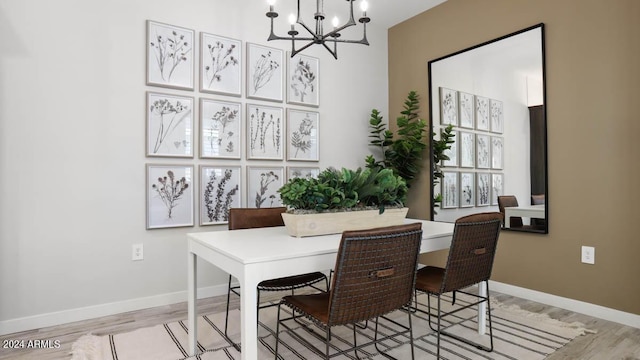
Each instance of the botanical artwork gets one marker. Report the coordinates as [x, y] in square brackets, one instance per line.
[449, 190]
[219, 192]
[452, 152]
[265, 133]
[303, 132]
[263, 185]
[466, 110]
[220, 129]
[265, 68]
[448, 107]
[169, 125]
[497, 185]
[467, 189]
[170, 56]
[467, 149]
[302, 172]
[497, 151]
[302, 80]
[482, 151]
[482, 113]
[483, 189]
[497, 116]
[220, 65]
[169, 196]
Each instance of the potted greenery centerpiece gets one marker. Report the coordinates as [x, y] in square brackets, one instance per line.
[339, 200]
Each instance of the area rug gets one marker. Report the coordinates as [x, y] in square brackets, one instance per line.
[518, 335]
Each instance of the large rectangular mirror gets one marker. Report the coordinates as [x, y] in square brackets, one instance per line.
[493, 96]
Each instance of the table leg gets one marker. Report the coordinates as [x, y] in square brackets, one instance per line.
[482, 309]
[192, 289]
[248, 317]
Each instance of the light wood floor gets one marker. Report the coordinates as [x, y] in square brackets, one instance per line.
[612, 341]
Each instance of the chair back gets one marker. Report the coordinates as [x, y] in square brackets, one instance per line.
[509, 201]
[248, 218]
[375, 272]
[473, 248]
[538, 199]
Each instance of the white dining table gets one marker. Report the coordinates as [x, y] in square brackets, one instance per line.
[530, 211]
[254, 255]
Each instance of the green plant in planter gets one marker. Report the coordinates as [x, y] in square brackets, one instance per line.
[345, 189]
[401, 153]
[439, 148]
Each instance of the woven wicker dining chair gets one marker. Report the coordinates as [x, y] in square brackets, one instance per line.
[470, 262]
[374, 275]
[249, 218]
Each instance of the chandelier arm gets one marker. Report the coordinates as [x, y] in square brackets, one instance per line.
[332, 52]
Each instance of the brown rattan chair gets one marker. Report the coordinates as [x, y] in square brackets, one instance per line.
[509, 201]
[374, 275]
[247, 218]
[538, 199]
[470, 261]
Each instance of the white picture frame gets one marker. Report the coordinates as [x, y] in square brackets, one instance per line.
[497, 116]
[302, 172]
[220, 129]
[497, 152]
[265, 132]
[220, 190]
[467, 189]
[467, 146]
[220, 65]
[169, 130]
[265, 73]
[448, 107]
[497, 187]
[466, 110]
[263, 183]
[482, 113]
[483, 188]
[303, 135]
[483, 151]
[452, 152]
[303, 74]
[170, 52]
[449, 190]
[169, 193]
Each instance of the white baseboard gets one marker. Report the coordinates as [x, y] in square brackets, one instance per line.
[92, 312]
[581, 307]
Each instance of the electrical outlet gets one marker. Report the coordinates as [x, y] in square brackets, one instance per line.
[588, 255]
[137, 252]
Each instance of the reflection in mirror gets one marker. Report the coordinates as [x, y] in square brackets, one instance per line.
[493, 95]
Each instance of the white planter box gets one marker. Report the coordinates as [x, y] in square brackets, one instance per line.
[299, 225]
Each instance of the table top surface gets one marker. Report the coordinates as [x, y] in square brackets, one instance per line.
[274, 243]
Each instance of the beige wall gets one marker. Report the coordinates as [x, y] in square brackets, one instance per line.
[593, 84]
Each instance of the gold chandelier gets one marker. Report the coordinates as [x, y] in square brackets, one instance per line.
[317, 36]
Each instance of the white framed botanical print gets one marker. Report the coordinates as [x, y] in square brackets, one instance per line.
[220, 190]
[170, 200]
[169, 125]
[497, 116]
[467, 149]
[220, 129]
[497, 187]
[170, 56]
[482, 113]
[302, 172]
[303, 135]
[497, 152]
[302, 80]
[448, 107]
[483, 188]
[483, 149]
[467, 110]
[263, 183]
[220, 65]
[467, 189]
[265, 132]
[449, 190]
[265, 73]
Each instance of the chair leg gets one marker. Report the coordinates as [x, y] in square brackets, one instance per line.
[277, 333]
[438, 331]
[355, 341]
[226, 318]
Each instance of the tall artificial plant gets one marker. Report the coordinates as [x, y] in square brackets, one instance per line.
[401, 153]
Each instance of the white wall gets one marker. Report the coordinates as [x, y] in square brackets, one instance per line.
[72, 149]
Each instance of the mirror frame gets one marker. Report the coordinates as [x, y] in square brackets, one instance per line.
[544, 100]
